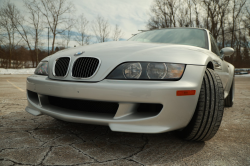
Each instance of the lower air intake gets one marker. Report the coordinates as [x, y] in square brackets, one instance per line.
[84, 105]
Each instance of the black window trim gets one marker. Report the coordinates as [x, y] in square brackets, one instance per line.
[215, 45]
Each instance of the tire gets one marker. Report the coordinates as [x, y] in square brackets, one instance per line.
[209, 110]
[229, 100]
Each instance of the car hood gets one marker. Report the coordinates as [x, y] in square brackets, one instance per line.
[112, 54]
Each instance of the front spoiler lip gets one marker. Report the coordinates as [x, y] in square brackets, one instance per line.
[176, 113]
[125, 125]
[115, 125]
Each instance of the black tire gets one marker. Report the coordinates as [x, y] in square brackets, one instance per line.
[229, 100]
[209, 110]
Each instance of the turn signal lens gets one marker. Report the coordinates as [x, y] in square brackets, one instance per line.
[175, 70]
[185, 92]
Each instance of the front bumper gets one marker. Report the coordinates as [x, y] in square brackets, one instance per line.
[176, 113]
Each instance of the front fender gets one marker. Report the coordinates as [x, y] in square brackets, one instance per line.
[230, 80]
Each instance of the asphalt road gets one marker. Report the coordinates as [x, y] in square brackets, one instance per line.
[42, 140]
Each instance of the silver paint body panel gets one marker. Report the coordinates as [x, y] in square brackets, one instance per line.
[177, 111]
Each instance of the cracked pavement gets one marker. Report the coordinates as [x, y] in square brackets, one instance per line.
[42, 140]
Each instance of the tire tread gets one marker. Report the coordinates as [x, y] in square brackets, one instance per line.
[209, 110]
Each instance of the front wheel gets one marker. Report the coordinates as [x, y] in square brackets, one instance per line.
[209, 110]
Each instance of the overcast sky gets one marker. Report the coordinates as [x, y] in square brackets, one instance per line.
[130, 15]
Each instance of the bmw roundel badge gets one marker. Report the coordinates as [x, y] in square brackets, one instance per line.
[79, 53]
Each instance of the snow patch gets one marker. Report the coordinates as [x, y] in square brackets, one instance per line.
[17, 71]
[243, 75]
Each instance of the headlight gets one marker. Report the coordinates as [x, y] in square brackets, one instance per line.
[42, 68]
[156, 70]
[148, 71]
[132, 70]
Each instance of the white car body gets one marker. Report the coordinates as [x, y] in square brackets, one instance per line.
[176, 111]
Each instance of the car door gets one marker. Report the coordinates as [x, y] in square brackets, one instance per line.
[220, 66]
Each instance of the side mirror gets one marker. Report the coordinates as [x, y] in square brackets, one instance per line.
[227, 51]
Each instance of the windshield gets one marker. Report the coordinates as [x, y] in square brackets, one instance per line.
[184, 36]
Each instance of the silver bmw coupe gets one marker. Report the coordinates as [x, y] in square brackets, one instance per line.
[157, 81]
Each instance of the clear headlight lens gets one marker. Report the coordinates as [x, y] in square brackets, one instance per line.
[132, 70]
[148, 71]
[42, 68]
[156, 70]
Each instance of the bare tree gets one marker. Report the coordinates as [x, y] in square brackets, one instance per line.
[212, 10]
[101, 29]
[9, 38]
[223, 11]
[247, 20]
[172, 8]
[117, 33]
[236, 11]
[246, 49]
[168, 13]
[183, 17]
[196, 5]
[60, 45]
[160, 15]
[36, 21]
[54, 12]
[2, 36]
[18, 22]
[29, 28]
[189, 4]
[82, 37]
[67, 34]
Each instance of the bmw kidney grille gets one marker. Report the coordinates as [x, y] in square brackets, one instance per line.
[85, 67]
[61, 66]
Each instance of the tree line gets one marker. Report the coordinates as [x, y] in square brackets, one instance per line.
[23, 35]
[227, 20]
